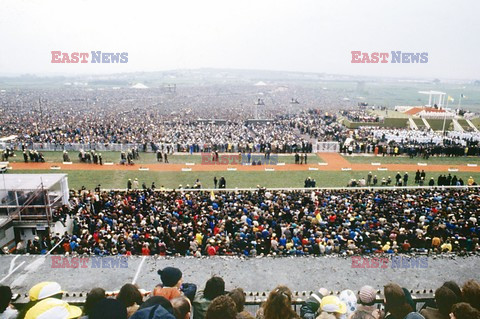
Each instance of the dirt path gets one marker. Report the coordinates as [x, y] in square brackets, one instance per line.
[333, 162]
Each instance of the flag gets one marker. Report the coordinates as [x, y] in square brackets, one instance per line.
[212, 196]
[450, 99]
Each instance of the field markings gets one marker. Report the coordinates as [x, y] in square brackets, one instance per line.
[138, 270]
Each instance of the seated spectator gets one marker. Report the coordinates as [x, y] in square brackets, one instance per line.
[464, 310]
[93, 297]
[7, 311]
[214, 287]
[52, 308]
[278, 305]
[222, 307]
[108, 309]
[444, 299]
[172, 285]
[131, 298]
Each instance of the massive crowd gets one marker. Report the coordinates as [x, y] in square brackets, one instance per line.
[174, 299]
[413, 143]
[142, 117]
[264, 222]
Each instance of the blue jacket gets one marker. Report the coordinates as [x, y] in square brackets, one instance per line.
[154, 312]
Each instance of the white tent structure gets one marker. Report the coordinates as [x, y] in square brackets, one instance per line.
[139, 86]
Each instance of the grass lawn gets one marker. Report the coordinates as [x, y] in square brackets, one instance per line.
[146, 158]
[406, 160]
[284, 179]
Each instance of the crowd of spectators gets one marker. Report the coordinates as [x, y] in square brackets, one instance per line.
[412, 143]
[173, 299]
[264, 222]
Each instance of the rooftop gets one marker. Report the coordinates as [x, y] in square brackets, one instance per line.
[29, 181]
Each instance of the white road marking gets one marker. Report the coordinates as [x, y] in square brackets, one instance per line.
[138, 270]
[12, 263]
[11, 272]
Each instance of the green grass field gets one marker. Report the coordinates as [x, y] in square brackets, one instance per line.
[118, 179]
[145, 158]
[407, 160]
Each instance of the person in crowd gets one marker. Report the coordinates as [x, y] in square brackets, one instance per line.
[471, 293]
[214, 287]
[131, 298]
[398, 303]
[93, 297]
[222, 307]
[109, 309]
[464, 310]
[366, 304]
[172, 285]
[445, 298]
[53, 308]
[182, 307]
[332, 306]
[278, 305]
[7, 311]
[40, 291]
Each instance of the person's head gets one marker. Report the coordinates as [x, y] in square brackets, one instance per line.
[170, 276]
[333, 305]
[279, 304]
[93, 297]
[454, 287]
[53, 308]
[46, 289]
[471, 293]
[396, 301]
[367, 296]
[222, 307]
[238, 297]
[157, 300]
[464, 310]
[5, 297]
[445, 299]
[181, 307]
[108, 309]
[130, 295]
[214, 287]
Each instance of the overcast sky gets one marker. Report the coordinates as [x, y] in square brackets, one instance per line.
[293, 35]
